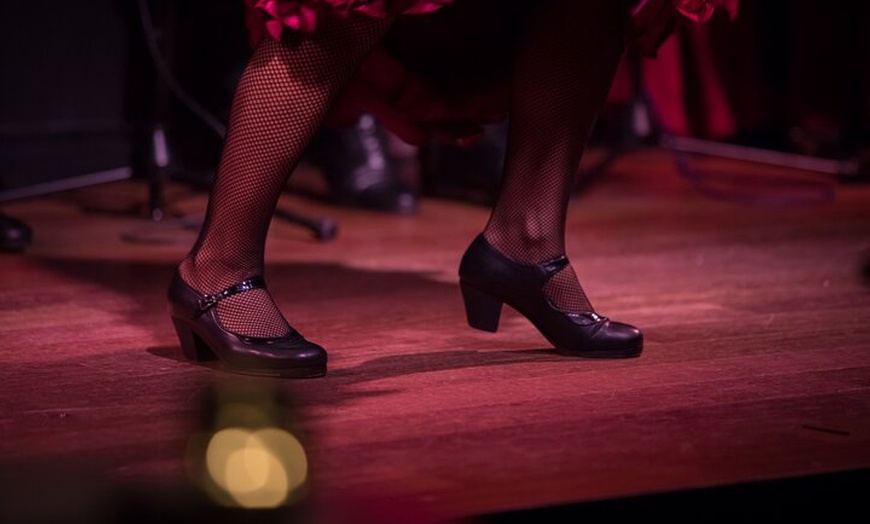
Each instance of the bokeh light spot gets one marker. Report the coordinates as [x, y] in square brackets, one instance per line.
[257, 468]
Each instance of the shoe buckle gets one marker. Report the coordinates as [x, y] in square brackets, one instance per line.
[587, 318]
[207, 302]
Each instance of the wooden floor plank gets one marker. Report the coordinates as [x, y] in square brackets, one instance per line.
[756, 362]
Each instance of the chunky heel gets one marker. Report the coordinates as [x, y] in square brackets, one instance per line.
[482, 310]
[192, 347]
[489, 279]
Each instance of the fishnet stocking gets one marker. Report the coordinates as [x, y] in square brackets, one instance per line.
[280, 102]
[564, 69]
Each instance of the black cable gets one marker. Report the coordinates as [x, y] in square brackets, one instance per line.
[323, 228]
[745, 189]
[166, 74]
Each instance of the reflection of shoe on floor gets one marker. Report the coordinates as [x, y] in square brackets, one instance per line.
[359, 170]
[14, 234]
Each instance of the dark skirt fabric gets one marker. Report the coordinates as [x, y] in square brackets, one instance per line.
[442, 70]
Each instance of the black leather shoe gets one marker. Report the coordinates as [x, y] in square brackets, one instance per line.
[15, 235]
[488, 279]
[202, 337]
[359, 169]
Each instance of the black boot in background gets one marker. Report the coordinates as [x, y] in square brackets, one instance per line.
[359, 168]
[15, 235]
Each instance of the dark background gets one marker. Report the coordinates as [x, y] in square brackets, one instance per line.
[80, 94]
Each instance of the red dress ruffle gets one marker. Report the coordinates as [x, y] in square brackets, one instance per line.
[653, 21]
[277, 16]
[443, 75]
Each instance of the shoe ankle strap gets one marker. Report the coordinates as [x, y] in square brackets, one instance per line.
[209, 301]
[555, 265]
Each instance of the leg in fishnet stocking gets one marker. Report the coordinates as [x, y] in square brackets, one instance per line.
[280, 102]
[563, 71]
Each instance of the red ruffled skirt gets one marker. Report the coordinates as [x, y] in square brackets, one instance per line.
[443, 74]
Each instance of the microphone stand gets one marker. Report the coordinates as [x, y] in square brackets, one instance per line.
[152, 159]
[641, 128]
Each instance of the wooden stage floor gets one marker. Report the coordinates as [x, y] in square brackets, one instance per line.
[756, 366]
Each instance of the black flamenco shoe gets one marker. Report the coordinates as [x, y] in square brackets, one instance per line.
[202, 338]
[488, 279]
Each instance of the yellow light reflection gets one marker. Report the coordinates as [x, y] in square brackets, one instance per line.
[290, 453]
[257, 468]
[234, 414]
[220, 447]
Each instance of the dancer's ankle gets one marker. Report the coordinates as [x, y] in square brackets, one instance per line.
[524, 246]
[207, 275]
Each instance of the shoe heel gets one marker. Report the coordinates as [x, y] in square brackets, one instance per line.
[482, 310]
[192, 347]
